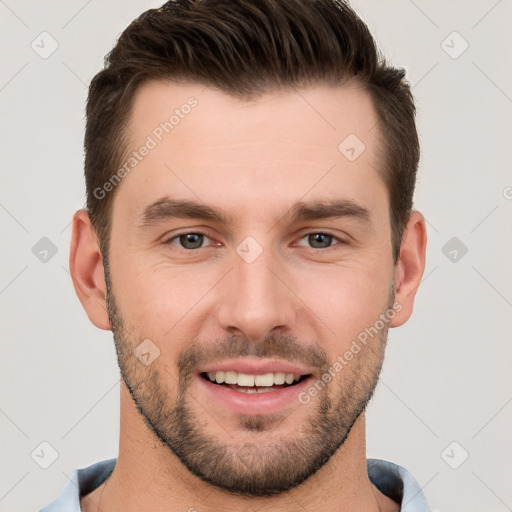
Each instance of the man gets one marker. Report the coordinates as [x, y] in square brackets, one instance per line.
[249, 238]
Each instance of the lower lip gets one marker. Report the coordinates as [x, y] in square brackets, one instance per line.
[252, 404]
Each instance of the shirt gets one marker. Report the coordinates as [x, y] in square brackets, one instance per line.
[391, 479]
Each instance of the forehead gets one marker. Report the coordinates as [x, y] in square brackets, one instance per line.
[208, 145]
[321, 111]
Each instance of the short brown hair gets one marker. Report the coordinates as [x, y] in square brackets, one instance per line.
[246, 48]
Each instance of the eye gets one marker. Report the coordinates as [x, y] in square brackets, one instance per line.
[319, 240]
[189, 241]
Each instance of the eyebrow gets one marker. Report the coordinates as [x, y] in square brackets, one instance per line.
[167, 208]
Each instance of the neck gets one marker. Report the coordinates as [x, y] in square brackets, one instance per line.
[144, 465]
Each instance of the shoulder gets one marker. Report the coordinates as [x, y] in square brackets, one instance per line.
[82, 482]
[397, 483]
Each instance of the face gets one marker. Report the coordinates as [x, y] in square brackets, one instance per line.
[247, 248]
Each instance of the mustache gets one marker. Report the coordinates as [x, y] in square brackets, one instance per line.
[284, 347]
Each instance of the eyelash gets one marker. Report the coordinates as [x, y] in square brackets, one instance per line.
[314, 249]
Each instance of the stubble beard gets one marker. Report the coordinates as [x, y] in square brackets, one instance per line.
[273, 463]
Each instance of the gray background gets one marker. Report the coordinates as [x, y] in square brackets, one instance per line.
[447, 373]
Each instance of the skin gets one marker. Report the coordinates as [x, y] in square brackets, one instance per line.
[253, 160]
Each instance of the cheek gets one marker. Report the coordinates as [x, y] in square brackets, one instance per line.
[159, 299]
[165, 302]
[347, 300]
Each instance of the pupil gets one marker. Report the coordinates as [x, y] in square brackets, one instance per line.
[320, 240]
[191, 240]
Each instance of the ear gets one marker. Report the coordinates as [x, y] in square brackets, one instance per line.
[410, 267]
[86, 268]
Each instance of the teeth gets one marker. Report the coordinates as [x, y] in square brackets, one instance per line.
[230, 377]
[244, 379]
[265, 380]
[279, 378]
[253, 390]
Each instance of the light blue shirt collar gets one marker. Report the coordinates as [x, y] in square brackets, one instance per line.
[391, 479]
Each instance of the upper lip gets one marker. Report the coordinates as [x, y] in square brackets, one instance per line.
[256, 366]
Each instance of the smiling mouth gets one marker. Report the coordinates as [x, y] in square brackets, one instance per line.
[252, 383]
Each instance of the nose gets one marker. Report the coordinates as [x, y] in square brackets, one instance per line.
[255, 301]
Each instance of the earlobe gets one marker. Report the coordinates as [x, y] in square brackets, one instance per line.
[410, 267]
[87, 272]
